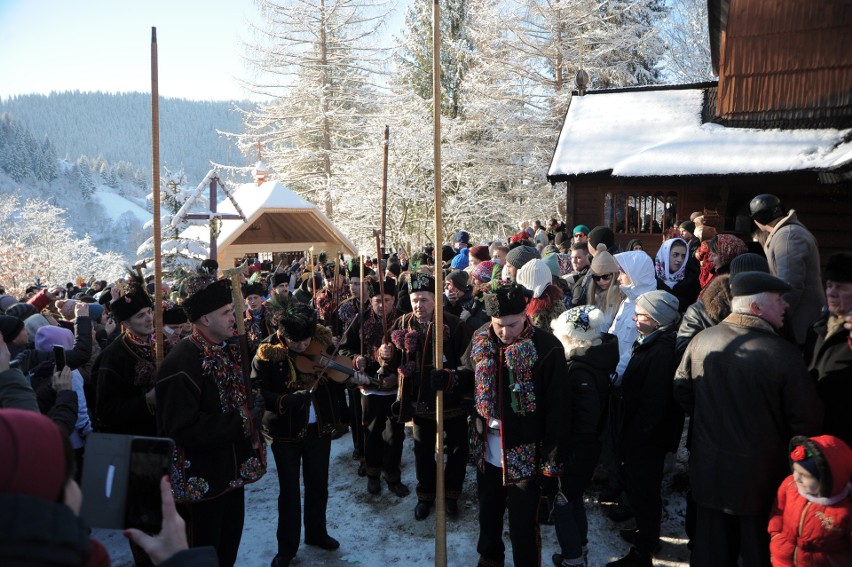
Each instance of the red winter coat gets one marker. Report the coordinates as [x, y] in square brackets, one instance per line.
[807, 533]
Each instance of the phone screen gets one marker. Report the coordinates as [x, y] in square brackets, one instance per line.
[149, 462]
[59, 357]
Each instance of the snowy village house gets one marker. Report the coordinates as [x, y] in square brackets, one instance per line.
[778, 120]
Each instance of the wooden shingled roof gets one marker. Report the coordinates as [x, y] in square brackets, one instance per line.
[785, 63]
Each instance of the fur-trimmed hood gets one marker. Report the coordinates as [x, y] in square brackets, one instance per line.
[717, 297]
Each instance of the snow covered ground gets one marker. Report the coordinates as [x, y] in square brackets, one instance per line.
[381, 529]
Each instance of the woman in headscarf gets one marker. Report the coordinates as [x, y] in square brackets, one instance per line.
[676, 272]
[723, 248]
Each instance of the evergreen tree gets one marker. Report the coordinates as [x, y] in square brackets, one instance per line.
[85, 183]
[49, 161]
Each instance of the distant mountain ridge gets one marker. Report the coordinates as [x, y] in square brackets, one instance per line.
[118, 127]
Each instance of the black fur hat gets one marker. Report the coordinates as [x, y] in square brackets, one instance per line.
[421, 282]
[297, 321]
[508, 299]
[133, 298]
[254, 289]
[374, 289]
[204, 294]
[279, 278]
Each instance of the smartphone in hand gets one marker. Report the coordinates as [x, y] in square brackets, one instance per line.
[59, 357]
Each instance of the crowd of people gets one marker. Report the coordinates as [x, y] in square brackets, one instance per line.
[565, 358]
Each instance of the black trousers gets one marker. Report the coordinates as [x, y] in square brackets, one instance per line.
[356, 417]
[456, 450]
[311, 455]
[721, 539]
[217, 522]
[384, 436]
[522, 501]
[642, 475]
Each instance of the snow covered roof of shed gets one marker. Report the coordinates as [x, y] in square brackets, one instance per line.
[277, 219]
[659, 132]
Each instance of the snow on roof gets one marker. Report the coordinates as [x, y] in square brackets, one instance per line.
[660, 133]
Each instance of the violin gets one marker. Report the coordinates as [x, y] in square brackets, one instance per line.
[315, 360]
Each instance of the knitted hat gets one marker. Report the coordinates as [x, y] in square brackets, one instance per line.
[460, 279]
[48, 336]
[519, 256]
[279, 278]
[604, 263]
[660, 305]
[204, 294]
[579, 323]
[33, 455]
[509, 299]
[482, 271]
[461, 237]
[751, 283]
[66, 308]
[421, 282]
[602, 234]
[552, 263]
[6, 301]
[838, 269]
[22, 311]
[132, 299]
[688, 226]
[35, 322]
[256, 288]
[460, 261]
[10, 327]
[749, 262]
[95, 311]
[374, 289]
[535, 276]
[580, 229]
[481, 253]
[298, 321]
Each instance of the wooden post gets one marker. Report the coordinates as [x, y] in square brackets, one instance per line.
[385, 190]
[438, 317]
[214, 236]
[155, 182]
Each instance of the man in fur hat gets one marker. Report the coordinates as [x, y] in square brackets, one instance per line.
[203, 404]
[383, 434]
[411, 355]
[301, 413]
[280, 296]
[125, 371]
[258, 318]
[519, 424]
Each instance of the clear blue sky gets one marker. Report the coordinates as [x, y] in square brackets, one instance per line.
[105, 45]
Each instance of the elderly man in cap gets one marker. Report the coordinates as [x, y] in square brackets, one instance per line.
[202, 401]
[411, 356]
[827, 349]
[519, 425]
[748, 392]
[793, 256]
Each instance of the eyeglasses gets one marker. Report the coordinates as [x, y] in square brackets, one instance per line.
[576, 234]
[604, 277]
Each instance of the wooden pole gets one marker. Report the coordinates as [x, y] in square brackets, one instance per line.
[385, 190]
[214, 236]
[155, 181]
[438, 317]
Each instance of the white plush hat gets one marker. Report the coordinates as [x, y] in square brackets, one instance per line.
[535, 276]
[579, 323]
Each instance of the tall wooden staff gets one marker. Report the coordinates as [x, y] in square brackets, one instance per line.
[438, 334]
[385, 187]
[381, 286]
[155, 181]
[361, 304]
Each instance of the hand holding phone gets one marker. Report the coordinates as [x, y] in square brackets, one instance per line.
[172, 536]
[61, 379]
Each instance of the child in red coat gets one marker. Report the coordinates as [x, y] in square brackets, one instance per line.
[811, 522]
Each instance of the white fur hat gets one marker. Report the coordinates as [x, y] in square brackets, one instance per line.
[579, 323]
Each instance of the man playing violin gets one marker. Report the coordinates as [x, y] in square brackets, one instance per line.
[301, 412]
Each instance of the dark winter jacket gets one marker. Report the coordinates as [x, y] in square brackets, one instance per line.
[478, 317]
[123, 380]
[830, 364]
[62, 406]
[687, 289]
[74, 358]
[589, 382]
[793, 256]
[748, 392]
[580, 287]
[274, 372]
[534, 420]
[710, 310]
[206, 412]
[16, 391]
[650, 416]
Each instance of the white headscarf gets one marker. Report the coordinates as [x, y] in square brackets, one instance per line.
[661, 262]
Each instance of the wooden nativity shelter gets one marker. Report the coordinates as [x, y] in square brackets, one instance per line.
[779, 120]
